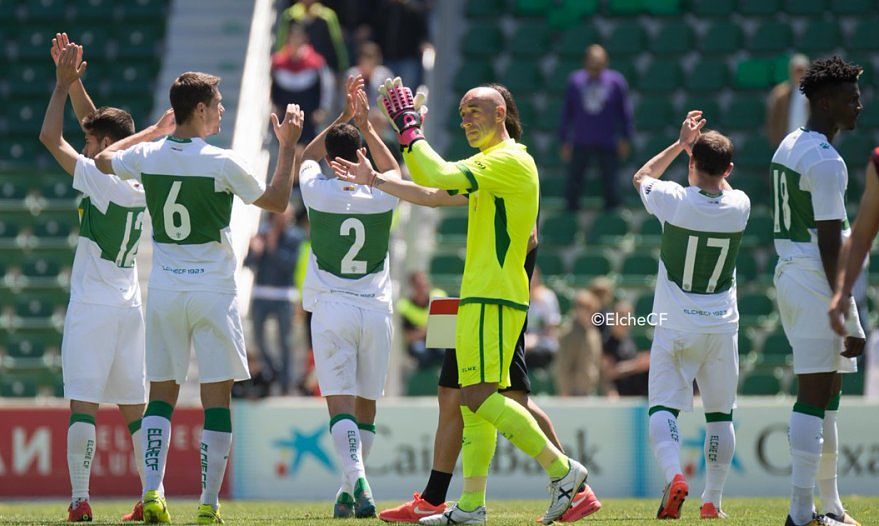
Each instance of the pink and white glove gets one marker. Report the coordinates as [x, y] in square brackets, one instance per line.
[405, 113]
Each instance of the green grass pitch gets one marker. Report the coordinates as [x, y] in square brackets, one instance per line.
[615, 512]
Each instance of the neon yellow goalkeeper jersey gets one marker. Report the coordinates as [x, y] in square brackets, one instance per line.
[504, 193]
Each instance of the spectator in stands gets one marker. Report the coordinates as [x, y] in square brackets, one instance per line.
[400, 28]
[625, 367]
[602, 287]
[300, 75]
[787, 108]
[259, 385]
[413, 311]
[323, 29]
[272, 257]
[369, 66]
[544, 318]
[578, 361]
[596, 125]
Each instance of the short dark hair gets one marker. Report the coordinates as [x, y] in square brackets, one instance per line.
[108, 122]
[188, 90]
[513, 122]
[827, 73]
[343, 140]
[712, 153]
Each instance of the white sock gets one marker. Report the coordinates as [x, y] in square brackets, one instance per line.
[805, 450]
[80, 454]
[346, 438]
[137, 443]
[720, 444]
[215, 448]
[156, 441]
[367, 437]
[826, 477]
[665, 439]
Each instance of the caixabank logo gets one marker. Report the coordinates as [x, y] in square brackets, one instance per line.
[300, 447]
[693, 454]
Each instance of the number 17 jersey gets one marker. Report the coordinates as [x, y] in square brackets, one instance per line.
[350, 233]
[701, 234]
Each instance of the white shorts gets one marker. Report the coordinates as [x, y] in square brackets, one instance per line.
[677, 358]
[102, 354]
[177, 322]
[351, 349]
[803, 296]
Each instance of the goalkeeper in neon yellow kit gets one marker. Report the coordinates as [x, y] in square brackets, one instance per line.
[502, 184]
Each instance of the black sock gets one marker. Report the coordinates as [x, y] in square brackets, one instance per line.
[437, 487]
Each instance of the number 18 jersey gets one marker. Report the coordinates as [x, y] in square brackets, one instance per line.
[701, 234]
[189, 186]
[350, 233]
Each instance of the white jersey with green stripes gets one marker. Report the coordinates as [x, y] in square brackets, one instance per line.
[809, 180]
[189, 186]
[701, 234]
[350, 232]
[111, 215]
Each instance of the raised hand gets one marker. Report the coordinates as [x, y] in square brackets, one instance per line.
[353, 85]
[58, 44]
[360, 172]
[70, 66]
[166, 123]
[361, 110]
[290, 129]
[691, 129]
[398, 105]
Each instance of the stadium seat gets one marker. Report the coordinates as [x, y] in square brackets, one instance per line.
[805, 7]
[853, 383]
[453, 229]
[707, 103]
[531, 39]
[485, 8]
[447, 264]
[550, 264]
[776, 349]
[34, 307]
[650, 232]
[572, 42]
[755, 154]
[759, 229]
[746, 343]
[55, 226]
[855, 149]
[627, 38]
[13, 188]
[557, 81]
[762, 8]
[760, 384]
[11, 387]
[58, 189]
[624, 8]
[558, 231]
[423, 382]
[819, 36]
[661, 76]
[866, 62]
[655, 113]
[25, 348]
[472, 73]
[713, 8]
[721, 38]
[644, 305]
[853, 7]
[542, 381]
[754, 73]
[864, 37]
[9, 228]
[535, 8]
[551, 115]
[608, 228]
[40, 267]
[590, 265]
[483, 39]
[708, 75]
[745, 112]
[771, 36]
[523, 77]
[674, 38]
[746, 267]
[639, 269]
[869, 119]
[755, 308]
[570, 13]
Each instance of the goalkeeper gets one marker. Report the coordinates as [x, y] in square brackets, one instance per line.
[502, 177]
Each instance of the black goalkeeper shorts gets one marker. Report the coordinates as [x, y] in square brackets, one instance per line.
[518, 370]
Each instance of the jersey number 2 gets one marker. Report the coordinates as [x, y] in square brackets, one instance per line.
[177, 231]
[349, 264]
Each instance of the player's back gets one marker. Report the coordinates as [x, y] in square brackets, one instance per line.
[701, 235]
[809, 180]
[189, 188]
[350, 233]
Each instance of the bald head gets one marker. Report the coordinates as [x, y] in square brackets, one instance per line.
[484, 95]
[595, 59]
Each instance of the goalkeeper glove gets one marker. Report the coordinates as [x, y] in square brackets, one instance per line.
[405, 113]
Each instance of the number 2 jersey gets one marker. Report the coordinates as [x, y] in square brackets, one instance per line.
[350, 232]
[189, 186]
[111, 214]
[701, 234]
[809, 180]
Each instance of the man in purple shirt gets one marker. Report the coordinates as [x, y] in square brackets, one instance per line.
[596, 125]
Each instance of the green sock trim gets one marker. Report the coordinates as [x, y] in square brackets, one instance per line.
[134, 427]
[718, 417]
[658, 408]
[366, 427]
[159, 408]
[218, 419]
[81, 417]
[340, 417]
[807, 409]
[833, 404]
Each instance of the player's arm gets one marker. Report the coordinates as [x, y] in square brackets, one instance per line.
[856, 248]
[68, 71]
[79, 98]
[276, 196]
[384, 159]
[656, 167]
[164, 126]
[316, 149]
[390, 182]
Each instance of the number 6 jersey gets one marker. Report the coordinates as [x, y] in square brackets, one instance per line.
[701, 234]
[110, 220]
[350, 232]
[189, 186]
